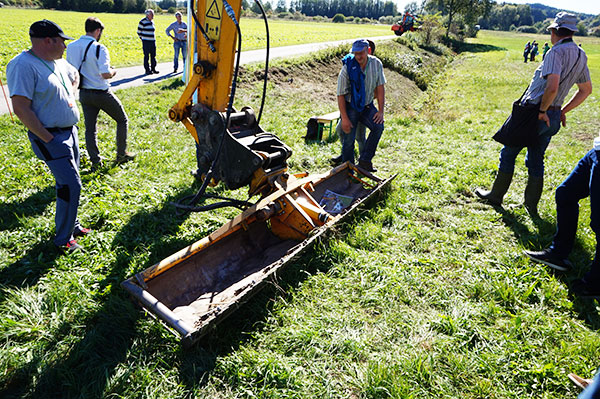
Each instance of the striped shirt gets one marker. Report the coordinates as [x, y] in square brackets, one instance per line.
[565, 59]
[146, 29]
[374, 77]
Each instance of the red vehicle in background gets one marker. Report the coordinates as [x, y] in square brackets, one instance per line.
[406, 25]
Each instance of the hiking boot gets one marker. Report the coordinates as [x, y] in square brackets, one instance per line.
[128, 156]
[499, 188]
[148, 72]
[81, 231]
[549, 259]
[335, 161]
[583, 289]
[174, 70]
[155, 71]
[533, 193]
[367, 165]
[70, 247]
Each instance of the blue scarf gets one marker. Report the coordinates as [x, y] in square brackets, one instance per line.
[357, 82]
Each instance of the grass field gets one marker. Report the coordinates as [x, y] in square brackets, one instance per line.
[426, 295]
[124, 46]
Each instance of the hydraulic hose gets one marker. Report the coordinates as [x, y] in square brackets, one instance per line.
[262, 103]
[201, 192]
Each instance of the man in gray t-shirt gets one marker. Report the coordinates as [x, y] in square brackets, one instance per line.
[42, 87]
[564, 65]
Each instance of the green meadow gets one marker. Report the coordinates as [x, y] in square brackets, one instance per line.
[124, 46]
[424, 295]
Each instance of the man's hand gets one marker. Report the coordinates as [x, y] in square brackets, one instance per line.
[378, 117]
[346, 125]
[563, 118]
[544, 117]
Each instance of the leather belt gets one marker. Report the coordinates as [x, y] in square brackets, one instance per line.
[97, 90]
[58, 129]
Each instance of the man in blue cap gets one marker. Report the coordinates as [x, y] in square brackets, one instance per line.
[42, 86]
[565, 65]
[359, 82]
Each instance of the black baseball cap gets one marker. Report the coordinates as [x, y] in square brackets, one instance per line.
[45, 28]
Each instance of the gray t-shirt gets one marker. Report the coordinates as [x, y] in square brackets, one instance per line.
[561, 59]
[374, 77]
[48, 84]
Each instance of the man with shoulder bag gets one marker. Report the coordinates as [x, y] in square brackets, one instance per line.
[564, 65]
[93, 61]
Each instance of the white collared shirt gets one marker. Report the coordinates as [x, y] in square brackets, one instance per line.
[92, 69]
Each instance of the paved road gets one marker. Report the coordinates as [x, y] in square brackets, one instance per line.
[135, 76]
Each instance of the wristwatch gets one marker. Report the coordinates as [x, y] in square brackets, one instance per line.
[542, 111]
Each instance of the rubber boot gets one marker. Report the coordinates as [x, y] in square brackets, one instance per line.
[499, 188]
[533, 193]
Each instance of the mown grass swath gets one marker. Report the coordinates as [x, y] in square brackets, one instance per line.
[425, 295]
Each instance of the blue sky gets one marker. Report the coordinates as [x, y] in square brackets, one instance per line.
[584, 6]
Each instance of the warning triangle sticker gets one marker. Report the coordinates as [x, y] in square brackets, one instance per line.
[213, 11]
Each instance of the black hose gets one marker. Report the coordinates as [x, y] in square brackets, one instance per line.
[209, 174]
[199, 25]
[262, 103]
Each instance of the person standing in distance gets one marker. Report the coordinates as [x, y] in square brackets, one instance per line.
[145, 32]
[93, 62]
[179, 36]
[42, 87]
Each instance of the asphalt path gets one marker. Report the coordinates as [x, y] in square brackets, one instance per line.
[135, 75]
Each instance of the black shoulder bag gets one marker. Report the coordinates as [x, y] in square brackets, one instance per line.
[82, 61]
[521, 127]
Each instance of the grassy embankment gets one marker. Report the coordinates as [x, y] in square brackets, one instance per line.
[427, 295]
[124, 46]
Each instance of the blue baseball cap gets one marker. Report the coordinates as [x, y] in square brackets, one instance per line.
[360, 45]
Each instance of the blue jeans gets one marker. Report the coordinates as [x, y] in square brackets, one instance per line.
[583, 181]
[61, 155]
[376, 129]
[593, 390]
[177, 46]
[534, 160]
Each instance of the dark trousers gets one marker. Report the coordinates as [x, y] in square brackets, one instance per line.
[149, 47]
[376, 129]
[583, 181]
[61, 155]
[92, 101]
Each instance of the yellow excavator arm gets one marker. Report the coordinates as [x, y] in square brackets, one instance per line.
[232, 148]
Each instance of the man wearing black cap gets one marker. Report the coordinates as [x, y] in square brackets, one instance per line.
[564, 65]
[42, 87]
[359, 82]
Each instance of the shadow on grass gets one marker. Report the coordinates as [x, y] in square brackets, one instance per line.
[542, 238]
[30, 206]
[89, 363]
[464, 47]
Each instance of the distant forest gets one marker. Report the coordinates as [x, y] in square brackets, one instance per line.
[529, 18]
[532, 18]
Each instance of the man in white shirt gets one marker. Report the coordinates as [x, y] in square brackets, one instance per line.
[93, 62]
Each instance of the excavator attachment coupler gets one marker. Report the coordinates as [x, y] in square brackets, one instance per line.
[197, 287]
